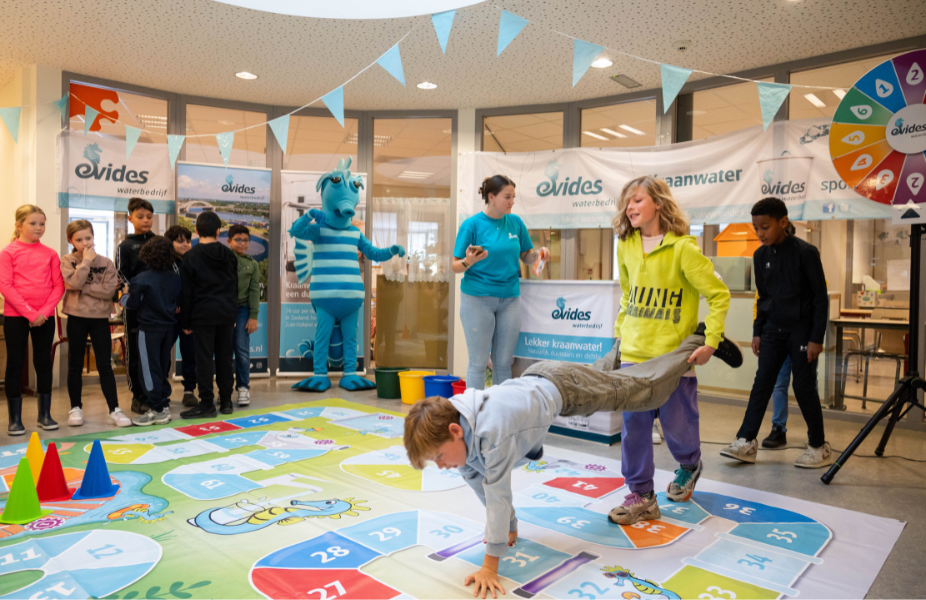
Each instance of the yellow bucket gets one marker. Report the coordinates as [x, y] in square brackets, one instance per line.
[411, 384]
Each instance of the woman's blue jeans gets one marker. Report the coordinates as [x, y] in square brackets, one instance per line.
[491, 325]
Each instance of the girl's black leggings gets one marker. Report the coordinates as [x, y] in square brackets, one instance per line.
[101, 340]
[17, 332]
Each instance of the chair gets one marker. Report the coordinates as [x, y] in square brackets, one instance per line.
[889, 343]
[62, 338]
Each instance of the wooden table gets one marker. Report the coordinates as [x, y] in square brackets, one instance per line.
[863, 324]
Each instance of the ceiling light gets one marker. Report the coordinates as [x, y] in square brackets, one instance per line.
[631, 129]
[352, 9]
[625, 81]
[245, 75]
[595, 135]
[419, 175]
[602, 63]
[815, 101]
[840, 93]
[378, 140]
[612, 132]
[226, 122]
[427, 85]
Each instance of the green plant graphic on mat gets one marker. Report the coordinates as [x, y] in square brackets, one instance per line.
[176, 590]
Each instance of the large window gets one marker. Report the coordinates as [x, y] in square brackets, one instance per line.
[725, 109]
[318, 143]
[627, 125]
[523, 133]
[249, 148]
[807, 103]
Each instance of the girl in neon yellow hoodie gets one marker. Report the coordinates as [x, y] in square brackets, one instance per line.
[662, 274]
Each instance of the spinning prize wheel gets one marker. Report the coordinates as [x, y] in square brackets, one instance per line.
[878, 136]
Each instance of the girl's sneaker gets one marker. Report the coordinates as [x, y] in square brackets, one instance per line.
[635, 508]
[76, 417]
[118, 418]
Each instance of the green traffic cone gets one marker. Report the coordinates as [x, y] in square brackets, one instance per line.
[22, 505]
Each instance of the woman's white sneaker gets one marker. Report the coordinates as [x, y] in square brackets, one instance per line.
[742, 449]
[814, 458]
[76, 417]
[118, 418]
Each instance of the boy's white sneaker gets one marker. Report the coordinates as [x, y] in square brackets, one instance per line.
[118, 418]
[814, 458]
[76, 417]
[244, 396]
[742, 449]
[153, 417]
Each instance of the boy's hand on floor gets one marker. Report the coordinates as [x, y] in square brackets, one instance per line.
[701, 355]
[251, 326]
[813, 351]
[756, 342]
[485, 580]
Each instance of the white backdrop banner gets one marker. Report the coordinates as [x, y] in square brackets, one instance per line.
[570, 321]
[715, 180]
[93, 172]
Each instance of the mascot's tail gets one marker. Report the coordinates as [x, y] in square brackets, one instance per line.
[303, 264]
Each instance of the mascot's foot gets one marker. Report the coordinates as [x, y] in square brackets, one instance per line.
[319, 383]
[355, 383]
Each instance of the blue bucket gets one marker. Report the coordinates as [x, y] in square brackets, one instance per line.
[439, 385]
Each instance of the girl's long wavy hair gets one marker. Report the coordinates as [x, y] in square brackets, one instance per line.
[671, 216]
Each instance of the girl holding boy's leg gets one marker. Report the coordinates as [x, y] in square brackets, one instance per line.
[662, 275]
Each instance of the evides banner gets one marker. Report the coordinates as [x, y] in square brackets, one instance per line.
[297, 317]
[570, 321]
[716, 180]
[94, 173]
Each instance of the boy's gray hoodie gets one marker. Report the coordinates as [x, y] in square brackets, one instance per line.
[503, 428]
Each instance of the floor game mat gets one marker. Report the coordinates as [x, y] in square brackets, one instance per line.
[318, 500]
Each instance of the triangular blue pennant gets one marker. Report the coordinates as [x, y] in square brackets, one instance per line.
[334, 100]
[280, 129]
[62, 105]
[771, 95]
[226, 141]
[673, 78]
[583, 55]
[442, 24]
[509, 26]
[392, 62]
[131, 138]
[89, 117]
[174, 143]
[10, 117]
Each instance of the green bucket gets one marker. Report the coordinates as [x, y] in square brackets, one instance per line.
[387, 382]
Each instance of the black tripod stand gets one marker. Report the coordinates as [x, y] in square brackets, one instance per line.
[904, 396]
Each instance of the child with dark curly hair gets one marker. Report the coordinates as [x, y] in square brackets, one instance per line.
[154, 294]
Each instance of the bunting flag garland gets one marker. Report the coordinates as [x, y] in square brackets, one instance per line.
[10, 117]
[509, 26]
[442, 23]
[90, 115]
[131, 138]
[226, 141]
[62, 105]
[583, 55]
[334, 100]
[392, 62]
[174, 143]
[673, 78]
[771, 95]
[280, 129]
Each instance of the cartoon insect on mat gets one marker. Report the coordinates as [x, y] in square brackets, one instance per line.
[245, 517]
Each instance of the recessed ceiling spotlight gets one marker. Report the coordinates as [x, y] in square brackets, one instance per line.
[631, 129]
[602, 63]
[427, 85]
[815, 101]
[595, 135]
[245, 75]
[612, 132]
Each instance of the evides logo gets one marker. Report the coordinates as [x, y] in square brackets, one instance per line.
[770, 186]
[565, 314]
[237, 189]
[900, 128]
[93, 170]
[577, 187]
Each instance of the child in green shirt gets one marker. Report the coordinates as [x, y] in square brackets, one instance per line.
[239, 238]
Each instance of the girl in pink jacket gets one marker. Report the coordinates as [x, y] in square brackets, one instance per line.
[31, 286]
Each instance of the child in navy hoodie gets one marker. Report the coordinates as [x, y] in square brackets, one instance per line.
[154, 294]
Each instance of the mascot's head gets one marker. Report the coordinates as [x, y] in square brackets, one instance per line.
[340, 195]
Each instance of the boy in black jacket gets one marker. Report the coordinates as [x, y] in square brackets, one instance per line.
[791, 318]
[128, 265]
[153, 294]
[208, 307]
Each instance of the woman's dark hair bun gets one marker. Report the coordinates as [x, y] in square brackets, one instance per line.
[494, 185]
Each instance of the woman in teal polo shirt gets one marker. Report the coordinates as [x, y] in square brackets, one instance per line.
[487, 250]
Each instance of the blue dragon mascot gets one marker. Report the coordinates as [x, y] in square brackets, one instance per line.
[335, 287]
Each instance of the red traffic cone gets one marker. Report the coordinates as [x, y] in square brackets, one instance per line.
[53, 487]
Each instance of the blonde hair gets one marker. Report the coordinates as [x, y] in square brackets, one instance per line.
[78, 225]
[671, 216]
[427, 427]
[21, 214]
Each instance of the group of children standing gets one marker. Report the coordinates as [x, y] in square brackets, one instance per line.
[204, 296]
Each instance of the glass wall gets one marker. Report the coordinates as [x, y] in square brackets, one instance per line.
[249, 148]
[410, 206]
[725, 109]
[318, 143]
[808, 103]
[626, 125]
[523, 133]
